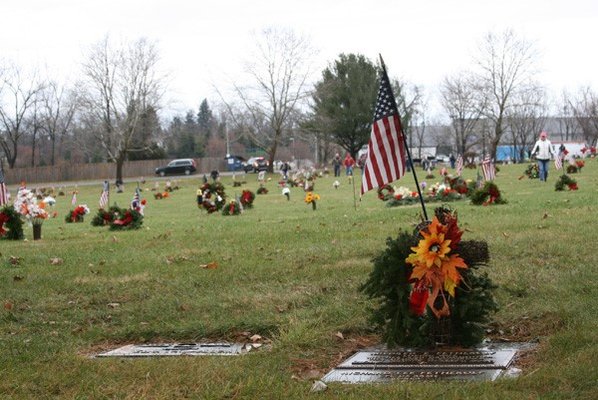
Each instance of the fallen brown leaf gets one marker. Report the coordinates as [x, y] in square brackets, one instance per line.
[56, 261]
[7, 305]
[17, 278]
[210, 265]
[113, 305]
[339, 335]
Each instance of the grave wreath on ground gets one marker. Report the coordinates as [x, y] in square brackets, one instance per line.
[11, 225]
[118, 218]
[430, 288]
[77, 215]
[213, 196]
[487, 194]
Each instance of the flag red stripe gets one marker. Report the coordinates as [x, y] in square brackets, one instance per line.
[386, 160]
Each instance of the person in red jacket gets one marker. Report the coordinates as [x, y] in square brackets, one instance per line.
[349, 163]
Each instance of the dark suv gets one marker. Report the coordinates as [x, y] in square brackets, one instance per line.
[178, 167]
[256, 164]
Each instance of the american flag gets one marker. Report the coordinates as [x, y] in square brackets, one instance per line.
[558, 160]
[459, 165]
[3, 190]
[488, 169]
[385, 162]
[136, 202]
[105, 196]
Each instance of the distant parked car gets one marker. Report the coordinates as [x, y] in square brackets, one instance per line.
[182, 166]
[256, 164]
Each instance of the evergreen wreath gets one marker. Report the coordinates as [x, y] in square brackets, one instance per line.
[126, 219]
[11, 225]
[118, 218]
[105, 217]
[247, 197]
[565, 181]
[401, 311]
[532, 171]
[213, 196]
[386, 192]
[487, 194]
[232, 208]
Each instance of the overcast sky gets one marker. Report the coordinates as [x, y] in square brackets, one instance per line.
[203, 43]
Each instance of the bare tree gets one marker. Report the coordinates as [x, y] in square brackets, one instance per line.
[18, 96]
[525, 119]
[567, 123]
[58, 110]
[121, 85]
[279, 72]
[460, 101]
[585, 109]
[505, 67]
[411, 107]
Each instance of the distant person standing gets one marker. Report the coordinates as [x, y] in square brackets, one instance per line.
[285, 170]
[336, 163]
[544, 150]
[349, 163]
[452, 159]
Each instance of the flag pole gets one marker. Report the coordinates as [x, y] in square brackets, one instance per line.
[354, 196]
[421, 199]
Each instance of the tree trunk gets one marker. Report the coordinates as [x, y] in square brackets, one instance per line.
[53, 138]
[120, 160]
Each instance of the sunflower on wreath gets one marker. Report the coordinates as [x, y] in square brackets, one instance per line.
[428, 287]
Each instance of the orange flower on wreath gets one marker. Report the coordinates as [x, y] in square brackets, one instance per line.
[434, 266]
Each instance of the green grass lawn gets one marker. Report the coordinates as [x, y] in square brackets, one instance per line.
[291, 275]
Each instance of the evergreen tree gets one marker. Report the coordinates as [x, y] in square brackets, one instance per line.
[187, 141]
[344, 100]
[205, 126]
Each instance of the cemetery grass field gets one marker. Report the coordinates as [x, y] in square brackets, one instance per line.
[292, 276]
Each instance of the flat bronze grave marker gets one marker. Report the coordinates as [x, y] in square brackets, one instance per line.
[176, 349]
[382, 365]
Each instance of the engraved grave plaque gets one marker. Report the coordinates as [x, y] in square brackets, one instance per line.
[176, 349]
[382, 365]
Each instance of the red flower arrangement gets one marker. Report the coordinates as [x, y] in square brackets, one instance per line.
[247, 197]
[78, 214]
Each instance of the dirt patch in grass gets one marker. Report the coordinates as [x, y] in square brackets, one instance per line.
[526, 328]
[317, 366]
